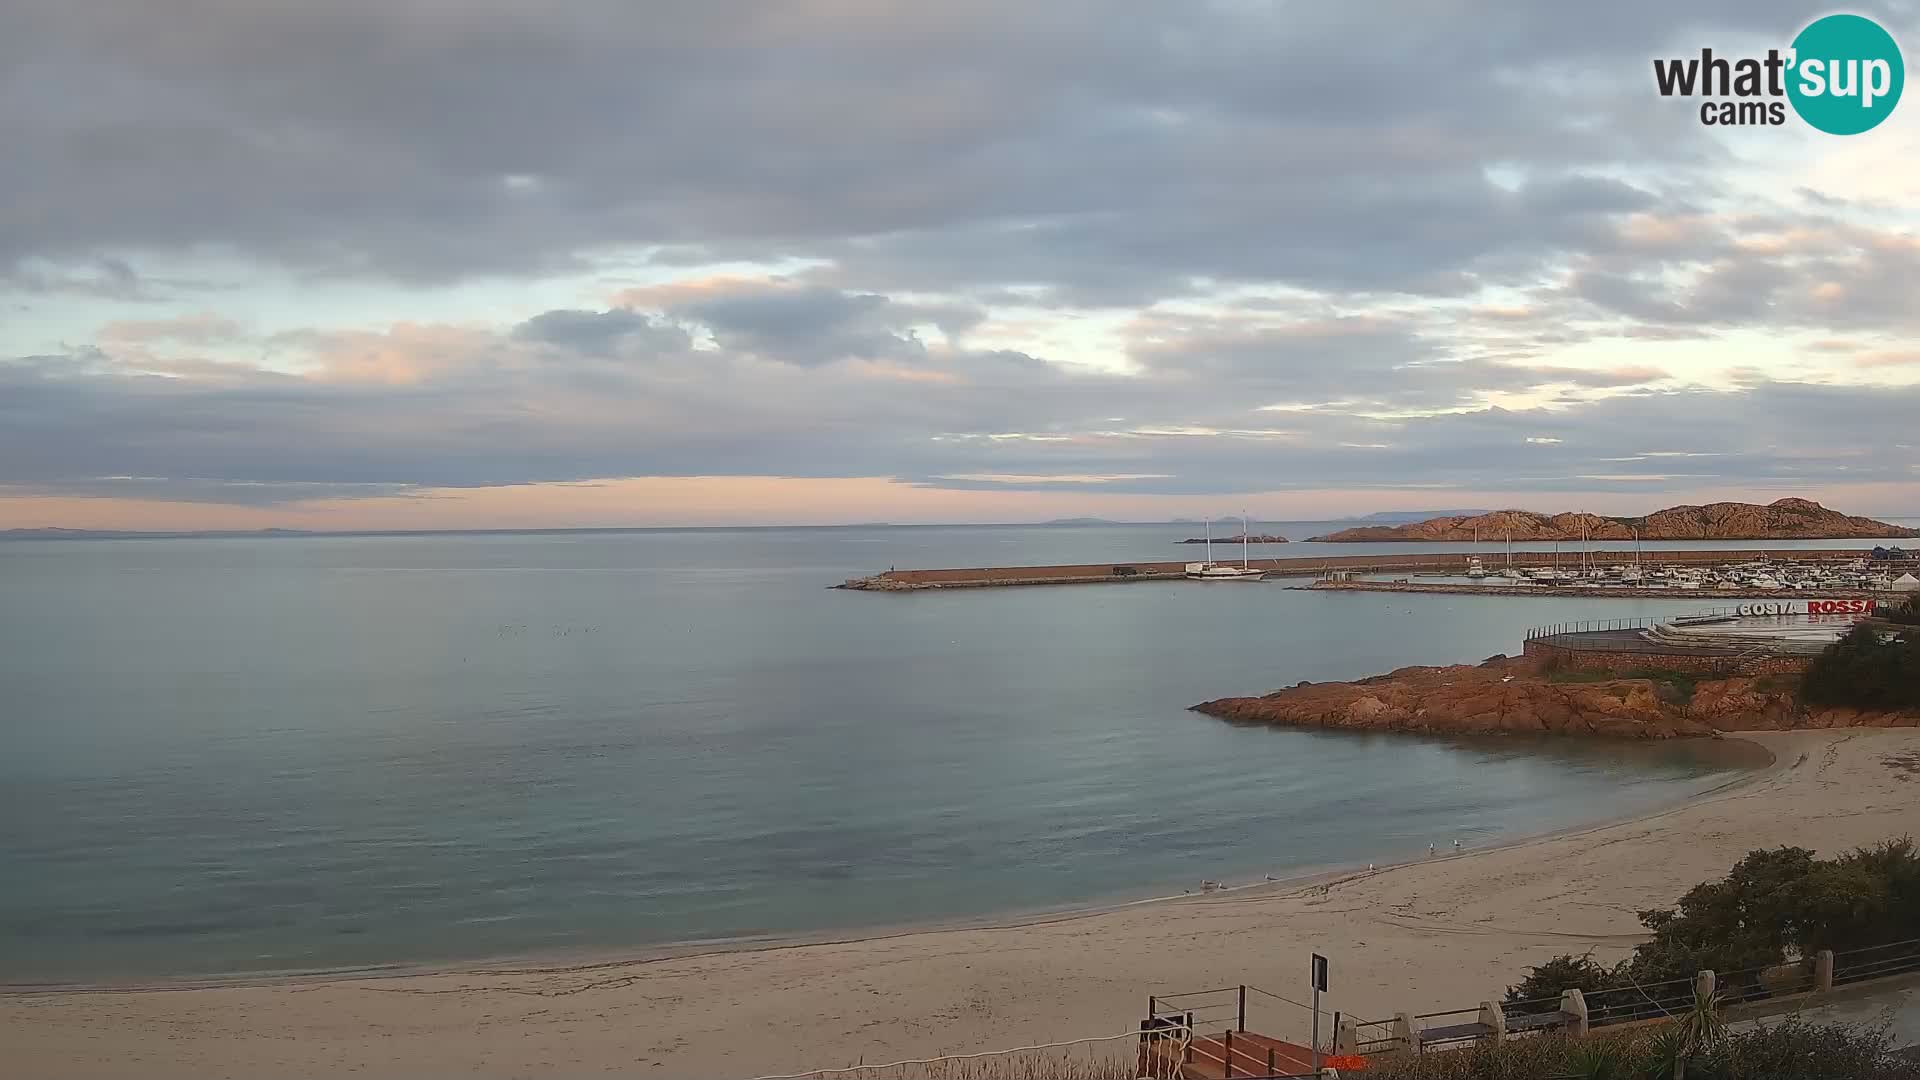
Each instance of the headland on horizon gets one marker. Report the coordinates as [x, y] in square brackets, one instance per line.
[1782, 519]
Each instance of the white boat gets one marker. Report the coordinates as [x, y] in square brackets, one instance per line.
[1213, 571]
[1475, 569]
[1631, 575]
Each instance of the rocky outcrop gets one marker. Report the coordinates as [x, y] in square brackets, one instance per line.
[1784, 519]
[1511, 695]
[880, 583]
[1259, 539]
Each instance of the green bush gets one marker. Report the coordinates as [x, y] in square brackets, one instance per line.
[1866, 672]
[1774, 905]
[1791, 1050]
[1907, 614]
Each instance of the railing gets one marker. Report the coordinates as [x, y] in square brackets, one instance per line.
[1242, 1008]
[1876, 961]
[1205, 1010]
[1644, 622]
[1237, 1062]
[1650, 1001]
[1455, 1026]
[1099, 1055]
[1374, 1037]
[1530, 1007]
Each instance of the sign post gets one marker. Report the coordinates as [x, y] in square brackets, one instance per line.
[1319, 985]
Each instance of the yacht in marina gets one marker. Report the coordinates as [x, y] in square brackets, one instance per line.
[1213, 571]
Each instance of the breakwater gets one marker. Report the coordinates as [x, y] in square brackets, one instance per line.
[1615, 591]
[1304, 566]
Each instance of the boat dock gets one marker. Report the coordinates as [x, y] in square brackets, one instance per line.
[1310, 566]
[1615, 591]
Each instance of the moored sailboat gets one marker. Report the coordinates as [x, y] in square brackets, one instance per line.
[1213, 571]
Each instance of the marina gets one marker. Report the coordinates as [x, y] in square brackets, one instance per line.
[1843, 572]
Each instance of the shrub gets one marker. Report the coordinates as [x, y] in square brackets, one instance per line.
[1863, 671]
[1773, 905]
[1545, 983]
[1907, 614]
[1791, 1050]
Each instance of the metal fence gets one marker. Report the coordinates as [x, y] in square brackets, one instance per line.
[1452, 1027]
[1650, 1001]
[1644, 622]
[1877, 961]
[1374, 1036]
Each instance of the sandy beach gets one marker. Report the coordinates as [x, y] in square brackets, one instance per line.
[1441, 933]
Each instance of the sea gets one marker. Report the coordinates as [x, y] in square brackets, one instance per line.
[234, 756]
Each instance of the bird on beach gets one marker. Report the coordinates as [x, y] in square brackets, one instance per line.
[1429, 849]
[1456, 845]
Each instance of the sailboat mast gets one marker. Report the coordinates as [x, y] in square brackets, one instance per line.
[1209, 541]
[1243, 540]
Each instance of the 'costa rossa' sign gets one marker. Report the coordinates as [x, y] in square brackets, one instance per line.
[1840, 607]
[1814, 607]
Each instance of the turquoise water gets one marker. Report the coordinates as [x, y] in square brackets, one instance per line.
[247, 755]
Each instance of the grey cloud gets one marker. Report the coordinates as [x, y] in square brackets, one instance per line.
[810, 325]
[516, 411]
[1100, 153]
[598, 332]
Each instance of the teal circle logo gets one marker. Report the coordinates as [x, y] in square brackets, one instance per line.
[1846, 74]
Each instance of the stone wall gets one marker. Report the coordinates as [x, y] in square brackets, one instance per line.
[1617, 660]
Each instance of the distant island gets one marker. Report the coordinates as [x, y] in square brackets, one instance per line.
[1257, 538]
[126, 534]
[1785, 519]
[1080, 521]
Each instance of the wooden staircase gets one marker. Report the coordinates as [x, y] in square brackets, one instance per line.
[1244, 1054]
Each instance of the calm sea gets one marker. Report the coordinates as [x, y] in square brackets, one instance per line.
[234, 755]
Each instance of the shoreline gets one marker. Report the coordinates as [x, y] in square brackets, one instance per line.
[1428, 934]
[593, 958]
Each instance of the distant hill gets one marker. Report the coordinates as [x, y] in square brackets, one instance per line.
[1785, 519]
[1080, 521]
[121, 534]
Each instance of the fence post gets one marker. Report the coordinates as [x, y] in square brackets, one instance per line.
[1346, 1036]
[1823, 971]
[1405, 1034]
[1574, 1004]
[1494, 1021]
[1271, 1071]
[1241, 1024]
[1227, 1072]
[1703, 984]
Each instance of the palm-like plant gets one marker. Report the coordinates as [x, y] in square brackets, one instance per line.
[1698, 1036]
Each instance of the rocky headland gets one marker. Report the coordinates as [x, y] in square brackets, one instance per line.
[1514, 695]
[1784, 519]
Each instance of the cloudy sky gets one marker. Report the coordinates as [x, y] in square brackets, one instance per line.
[459, 263]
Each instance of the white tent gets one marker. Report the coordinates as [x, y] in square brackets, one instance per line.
[1906, 583]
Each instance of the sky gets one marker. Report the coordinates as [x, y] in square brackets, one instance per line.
[427, 264]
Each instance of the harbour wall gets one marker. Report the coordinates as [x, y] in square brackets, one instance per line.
[1308, 566]
[1570, 657]
[1612, 591]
